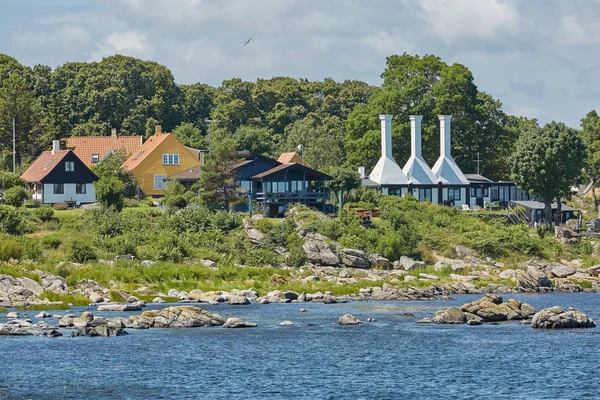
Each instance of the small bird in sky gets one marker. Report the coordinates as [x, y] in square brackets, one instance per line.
[247, 41]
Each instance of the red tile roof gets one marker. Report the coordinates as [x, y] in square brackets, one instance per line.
[43, 165]
[85, 146]
[147, 148]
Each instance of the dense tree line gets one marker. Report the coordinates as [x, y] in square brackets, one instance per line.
[336, 122]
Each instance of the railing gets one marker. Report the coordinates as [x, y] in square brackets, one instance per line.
[515, 216]
[289, 197]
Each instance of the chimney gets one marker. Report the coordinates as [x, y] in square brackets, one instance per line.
[157, 130]
[386, 135]
[113, 133]
[415, 135]
[362, 173]
[445, 135]
[55, 146]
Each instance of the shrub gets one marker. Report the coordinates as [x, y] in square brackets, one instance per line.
[131, 203]
[15, 196]
[10, 248]
[31, 249]
[81, 252]
[60, 206]
[44, 212]
[110, 192]
[9, 180]
[11, 221]
[176, 202]
[51, 242]
[170, 247]
[195, 200]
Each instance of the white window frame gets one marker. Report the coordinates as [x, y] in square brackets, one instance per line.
[95, 158]
[69, 166]
[164, 183]
[170, 159]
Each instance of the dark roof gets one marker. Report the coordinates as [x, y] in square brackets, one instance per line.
[43, 165]
[311, 173]
[188, 175]
[476, 178]
[366, 182]
[241, 164]
[537, 205]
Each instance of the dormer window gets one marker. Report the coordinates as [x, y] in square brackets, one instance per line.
[170, 159]
[95, 158]
[69, 166]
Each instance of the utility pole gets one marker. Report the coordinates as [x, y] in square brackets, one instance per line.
[14, 147]
[209, 122]
[478, 161]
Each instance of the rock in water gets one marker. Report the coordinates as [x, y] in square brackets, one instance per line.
[286, 323]
[238, 301]
[557, 318]
[42, 314]
[348, 319]
[450, 315]
[174, 317]
[238, 323]
[119, 307]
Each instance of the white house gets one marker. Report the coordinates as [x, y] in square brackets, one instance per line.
[58, 176]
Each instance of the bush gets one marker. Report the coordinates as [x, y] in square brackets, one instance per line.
[110, 192]
[9, 180]
[11, 221]
[31, 249]
[171, 247]
[10, 248]
[81, 252]
[51, 242]
[176, 202]
[131, 203]
[60, 206]
[15, 196]
[44, 212]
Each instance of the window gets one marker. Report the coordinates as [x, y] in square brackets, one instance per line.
[486, 192]
[454, 194]
[80, 188]
[495, 193]
[159, 182]
[69, 166]
[395, 192]
[425, 194]
[472, 192]
[58, 188]
[170, 159]
[95, 158]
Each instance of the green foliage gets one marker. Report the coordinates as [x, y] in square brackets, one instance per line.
[75, 299]
[344, 179]
[110, 192]
[51, 242]
[253, 139]
[60, 206]
[217, 180]
[110, 168]
[44, 212]
[15, 196]
[10, 248]
[591, 137]
[170, 247]
[176, 202]
[12, 221]
[9, 180]
[81, 252]
[189, 135]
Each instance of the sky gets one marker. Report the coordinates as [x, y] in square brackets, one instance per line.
[540, 58]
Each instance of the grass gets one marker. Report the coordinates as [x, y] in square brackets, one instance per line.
[44, 307]
[149, 298]
[3, 310]
[75, 299]
[584, 284]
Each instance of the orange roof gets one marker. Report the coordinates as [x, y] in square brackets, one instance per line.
[148, 147]
[43, 165]
[85, 146]
[290, 158]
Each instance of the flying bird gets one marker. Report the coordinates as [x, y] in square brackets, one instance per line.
[247, 41]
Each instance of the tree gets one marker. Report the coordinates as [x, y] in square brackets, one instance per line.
[217, 176]
[8, 180]
[344, 180]
[109, 192]
[591, 135]
[15, 196]
[255, 140]
[189, 135]
[547, 161]
[111, 167]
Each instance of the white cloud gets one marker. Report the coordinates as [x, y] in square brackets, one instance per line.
[130, 43]
[65, 35]
[453, 20]
[574, 31]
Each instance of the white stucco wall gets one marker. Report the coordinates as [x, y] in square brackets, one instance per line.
[69, 192]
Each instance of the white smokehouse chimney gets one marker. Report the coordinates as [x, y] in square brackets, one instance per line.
[386, 135]
[415, 135]
[416, 169]
[445, 139]
[362, 173]
[55, 146]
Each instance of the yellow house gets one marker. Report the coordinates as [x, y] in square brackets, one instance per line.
[160, 156]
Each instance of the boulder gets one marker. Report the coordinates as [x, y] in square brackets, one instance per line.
[507, 274]
[462, 251]
[463, 278]
[345, 273]
[532, 280]
[256, 237]
[133, 300]
[320, 249]
[428, 276]
[562, 271]
[450, 315]
[491, 308]
[174, 317]
[98, 327]
[354, 258]
[158, 300]
[208, 263]
[43, 314]
[348, 319]
[30, 285]
[448, 262]
[565, 285]
[410, 278]
[238, 323]
[378, 261]
[12, 315]
[286, 323]
[408, 263]
[238, 301]
[557, 318]
[7, 282]
[96, 298]
[173, 293]
[12, 330]
[147, 263]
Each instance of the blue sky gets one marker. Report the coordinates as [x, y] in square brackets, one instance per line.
[539, 57]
